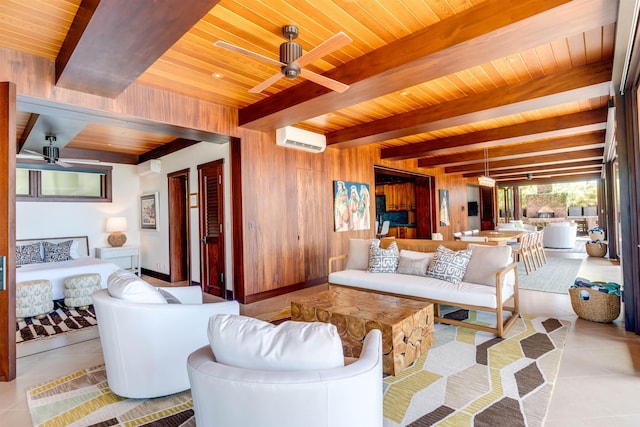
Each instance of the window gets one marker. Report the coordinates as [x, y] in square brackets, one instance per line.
[86, 183]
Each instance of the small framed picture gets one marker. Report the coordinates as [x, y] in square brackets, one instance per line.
[149, 211]
[193, 200]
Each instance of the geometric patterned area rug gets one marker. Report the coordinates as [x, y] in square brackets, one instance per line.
[58, 321]
[473, 378]
[84, 399]
[467, 378]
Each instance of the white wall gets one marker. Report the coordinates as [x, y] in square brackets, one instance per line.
[473, 195]
[60, 219]
[154, 245]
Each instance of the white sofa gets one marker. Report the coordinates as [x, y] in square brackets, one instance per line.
[343, 395]
[490, 281]
[146, 345]
[560, 235]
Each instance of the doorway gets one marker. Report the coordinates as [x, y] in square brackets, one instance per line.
[179, 242]
[211, 219]
[407, 201]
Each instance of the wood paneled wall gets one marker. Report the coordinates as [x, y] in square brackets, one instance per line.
[287, 218]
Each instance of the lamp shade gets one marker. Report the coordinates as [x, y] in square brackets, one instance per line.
[117, 223]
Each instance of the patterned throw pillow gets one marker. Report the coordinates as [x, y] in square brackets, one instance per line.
[28, 254]
[383, 260]
[57, 251]
[449, 265]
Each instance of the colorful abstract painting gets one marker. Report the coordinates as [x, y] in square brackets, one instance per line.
[351, 206]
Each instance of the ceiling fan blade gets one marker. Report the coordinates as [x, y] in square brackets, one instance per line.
[35, 153]
[242, 51]
[265, 84]
[324, 81]
[330, 45]
[63, 164]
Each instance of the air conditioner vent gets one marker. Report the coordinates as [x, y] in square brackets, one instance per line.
[300, 139]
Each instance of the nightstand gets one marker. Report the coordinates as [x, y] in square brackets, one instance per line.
[127, 257]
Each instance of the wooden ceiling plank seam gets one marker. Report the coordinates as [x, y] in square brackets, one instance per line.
[488, 31]
[571, 85]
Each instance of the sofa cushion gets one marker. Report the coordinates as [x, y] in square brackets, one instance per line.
[449, 265]
[249, 343]
[423, 287]
[125, 285]
[358, 256]
[485, 261]
[383, 260]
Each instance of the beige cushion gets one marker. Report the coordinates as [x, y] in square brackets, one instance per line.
[358, 257]
[127, 286]
[485, 262]
[249, 343]
[414, 262]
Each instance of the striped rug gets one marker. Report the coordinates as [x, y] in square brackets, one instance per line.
[467, 378]
[59, 321]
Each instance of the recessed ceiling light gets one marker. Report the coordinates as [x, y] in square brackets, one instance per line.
[404, 93]
[217, 75]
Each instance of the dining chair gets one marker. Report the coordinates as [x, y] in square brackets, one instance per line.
[385, 229]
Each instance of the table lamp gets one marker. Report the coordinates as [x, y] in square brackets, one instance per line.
[116, 226]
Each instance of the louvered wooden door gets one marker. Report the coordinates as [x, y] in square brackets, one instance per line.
[211, 228]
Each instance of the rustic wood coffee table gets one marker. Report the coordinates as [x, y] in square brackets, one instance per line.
[406, 324]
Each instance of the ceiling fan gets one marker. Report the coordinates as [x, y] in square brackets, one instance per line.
[51, 154]
[292, 60]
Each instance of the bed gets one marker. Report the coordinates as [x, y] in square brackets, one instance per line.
[55, 259]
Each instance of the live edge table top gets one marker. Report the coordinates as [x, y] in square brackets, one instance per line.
[406, 324]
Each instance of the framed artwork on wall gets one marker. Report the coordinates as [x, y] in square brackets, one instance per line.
[149, 211]
[444, 208]
[351, 206]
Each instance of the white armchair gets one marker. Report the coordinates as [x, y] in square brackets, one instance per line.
[146, 345]
[336, 397]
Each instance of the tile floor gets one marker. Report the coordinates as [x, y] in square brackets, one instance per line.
[598, 383]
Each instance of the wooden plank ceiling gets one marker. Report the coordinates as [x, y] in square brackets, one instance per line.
[515, 88]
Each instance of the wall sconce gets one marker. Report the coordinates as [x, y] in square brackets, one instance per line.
[116, 226]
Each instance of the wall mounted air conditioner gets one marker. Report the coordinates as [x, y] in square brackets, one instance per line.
[150, 166]
[300, 139]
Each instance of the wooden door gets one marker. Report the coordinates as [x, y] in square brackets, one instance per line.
[211, 213]
[425, 207]
[179, 226]
[487, 208]
[312, 235]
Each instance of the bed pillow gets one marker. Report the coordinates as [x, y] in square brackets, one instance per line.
[449, 265]
[54, 252]
[358, 257]
[250, 343]
[73, 252]
[28, 254]
[383, 260]
[485, 261]
[125, 285]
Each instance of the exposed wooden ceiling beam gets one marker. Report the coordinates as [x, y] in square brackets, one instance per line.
[523, 171]
[493, 29]
[537, 129]
[163, 150]
[104, 53]
[549, 146]
[567, 157]
[554, 177]
[103, 156]
[577, 84]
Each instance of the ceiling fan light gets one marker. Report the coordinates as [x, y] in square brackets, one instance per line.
[485, 181]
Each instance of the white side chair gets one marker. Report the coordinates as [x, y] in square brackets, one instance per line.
[146, 345]
[385, 229]
[335, 397]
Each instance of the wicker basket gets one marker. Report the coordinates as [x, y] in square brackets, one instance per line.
[600, 307]
[596, 249]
